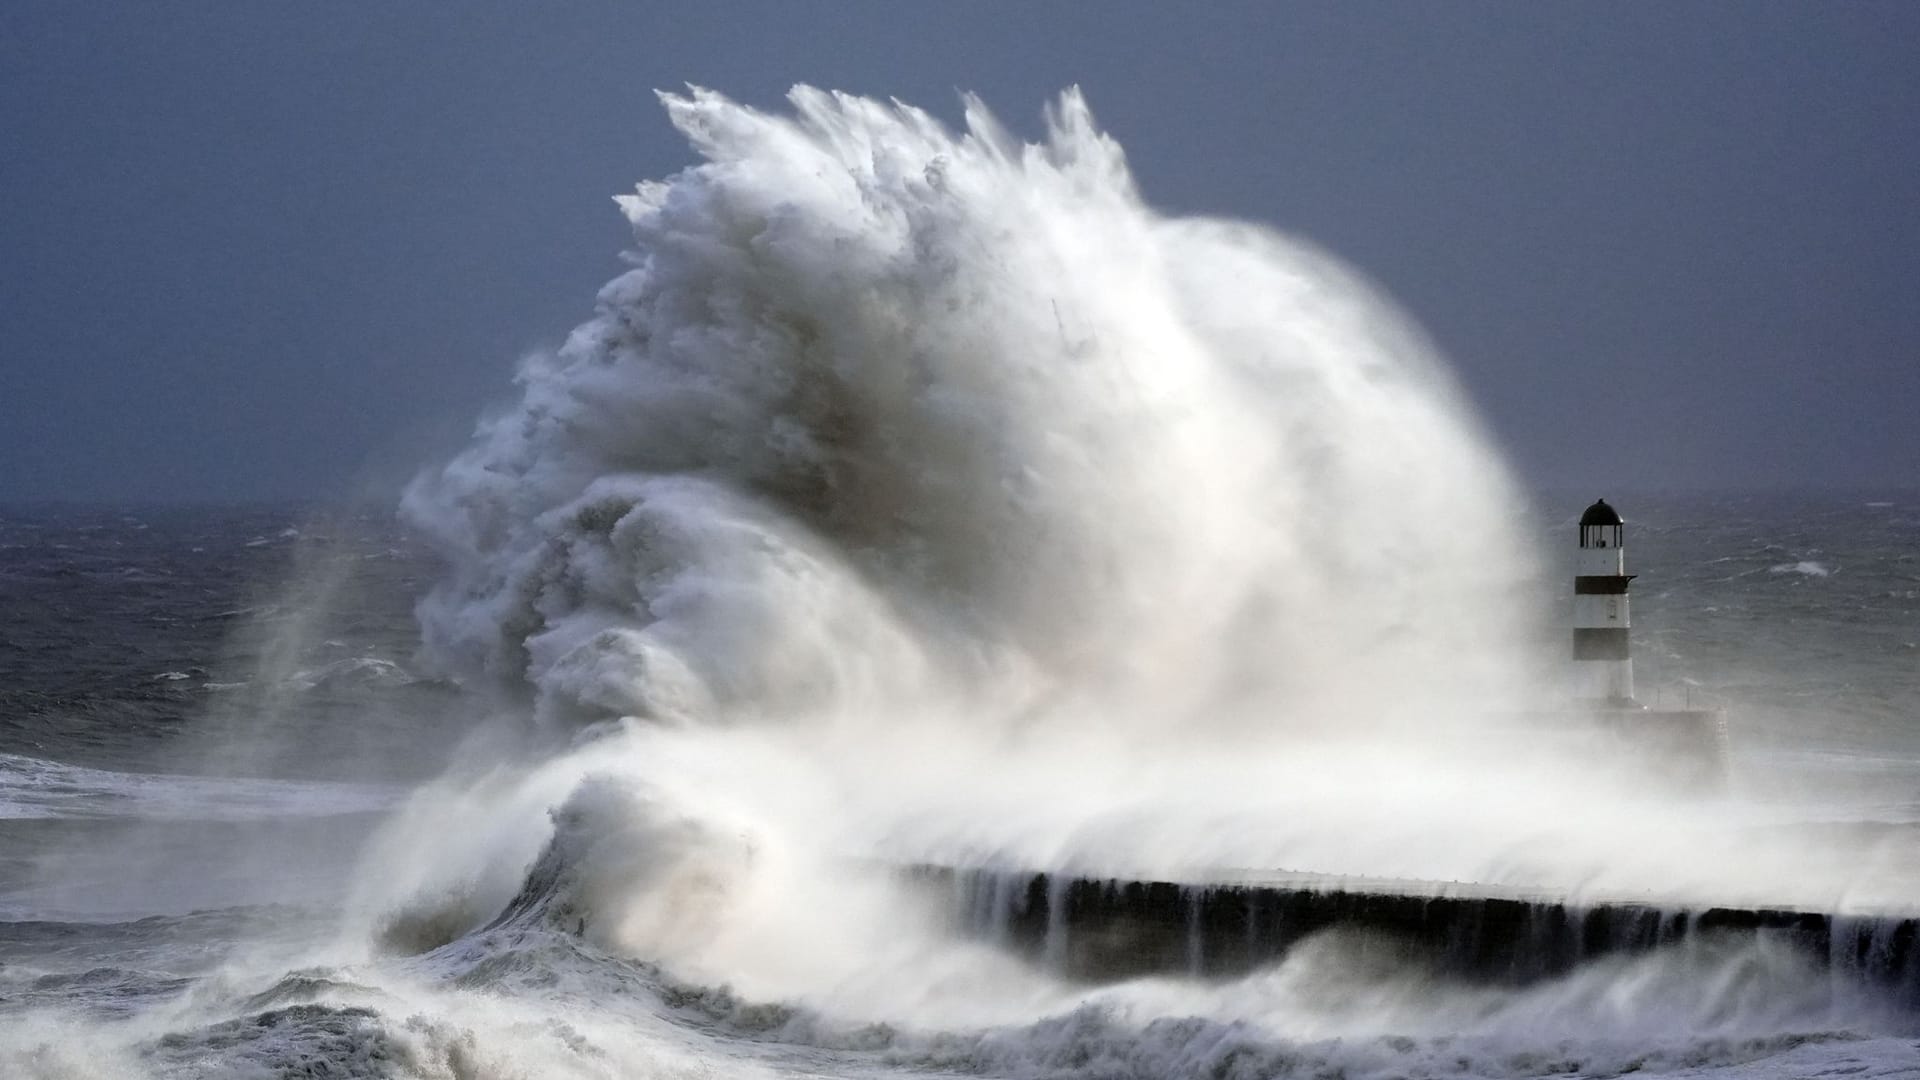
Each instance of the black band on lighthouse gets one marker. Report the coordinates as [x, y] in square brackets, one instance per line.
[1600, 643]
[1602, 584]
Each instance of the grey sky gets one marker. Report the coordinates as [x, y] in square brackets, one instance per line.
[271, 249]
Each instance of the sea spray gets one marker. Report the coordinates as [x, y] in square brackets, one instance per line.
[889, 421]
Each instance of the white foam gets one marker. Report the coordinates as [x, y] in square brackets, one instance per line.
[1806, 568]
[356, 671]
[36, 788]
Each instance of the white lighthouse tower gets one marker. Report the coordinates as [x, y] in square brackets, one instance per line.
[1603, 666]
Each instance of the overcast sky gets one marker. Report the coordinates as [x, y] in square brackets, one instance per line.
[256, 249]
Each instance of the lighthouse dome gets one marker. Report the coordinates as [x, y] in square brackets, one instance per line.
[1600, 514]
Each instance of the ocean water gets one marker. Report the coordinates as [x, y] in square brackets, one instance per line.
[925, 497]
[166, 917]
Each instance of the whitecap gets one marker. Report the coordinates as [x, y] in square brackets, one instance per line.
[35, 788]
[1805, 568]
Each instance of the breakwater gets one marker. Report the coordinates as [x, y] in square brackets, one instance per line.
[1102, 929]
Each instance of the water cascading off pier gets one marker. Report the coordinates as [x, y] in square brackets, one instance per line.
[1103, 929]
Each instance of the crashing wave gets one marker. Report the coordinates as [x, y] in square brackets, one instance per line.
[887, 414]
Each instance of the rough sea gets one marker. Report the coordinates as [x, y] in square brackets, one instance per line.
[182, 812]
[926, 499]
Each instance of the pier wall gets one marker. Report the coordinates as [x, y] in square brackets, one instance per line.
[1111, 929]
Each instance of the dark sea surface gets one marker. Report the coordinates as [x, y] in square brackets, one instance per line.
[206, 712]
[125, 624]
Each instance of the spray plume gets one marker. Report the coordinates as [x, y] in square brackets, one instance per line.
[889, 422]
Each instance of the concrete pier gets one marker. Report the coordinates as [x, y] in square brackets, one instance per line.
[1096, 929]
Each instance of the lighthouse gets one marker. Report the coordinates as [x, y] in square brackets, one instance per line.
[1603, 667]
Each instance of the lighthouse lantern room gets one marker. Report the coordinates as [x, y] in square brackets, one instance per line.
[1603, 666]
